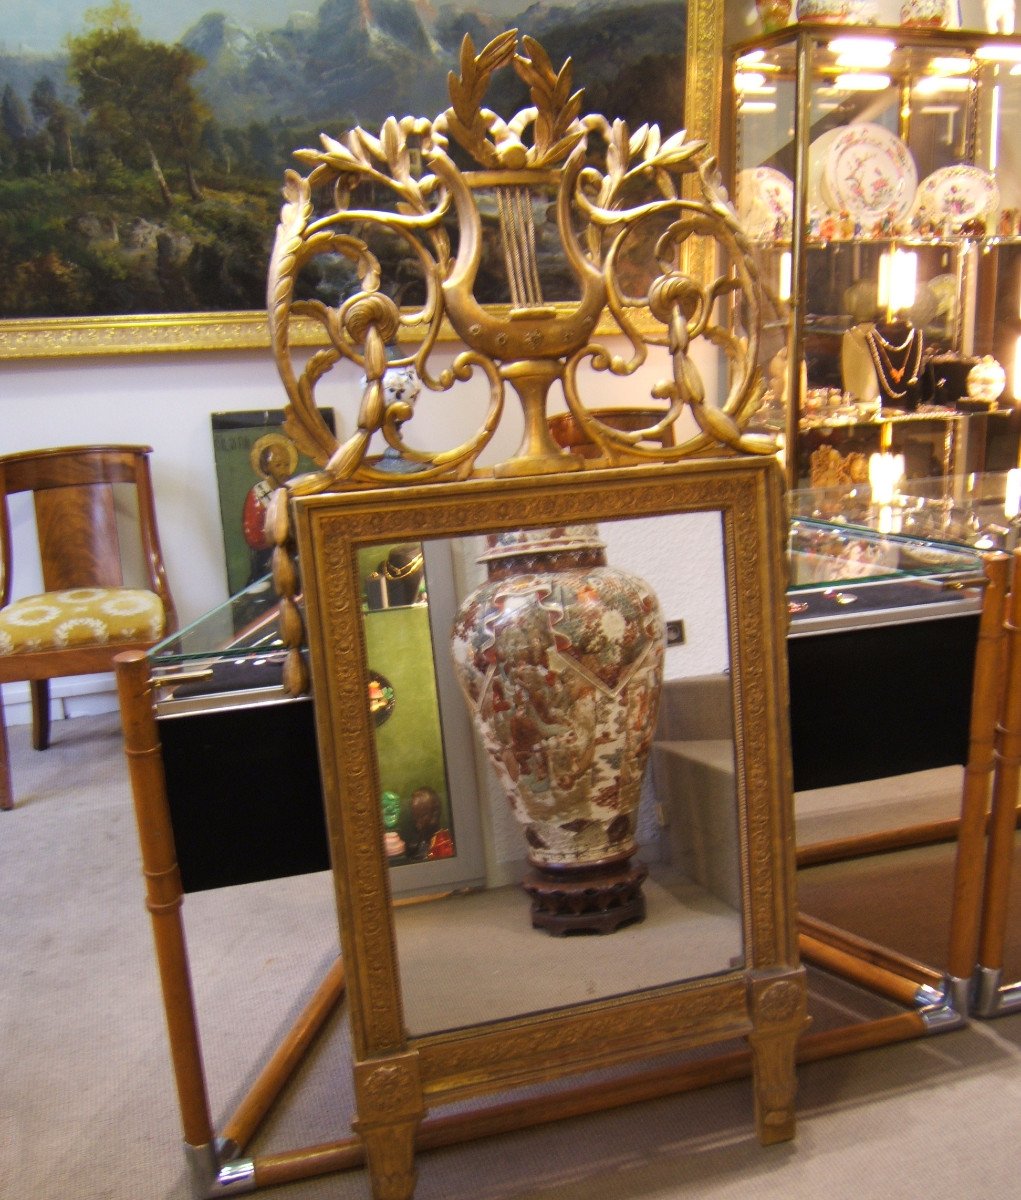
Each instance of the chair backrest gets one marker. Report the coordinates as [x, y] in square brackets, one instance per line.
[76, 525]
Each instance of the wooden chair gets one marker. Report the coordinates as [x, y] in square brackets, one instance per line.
[85, 615]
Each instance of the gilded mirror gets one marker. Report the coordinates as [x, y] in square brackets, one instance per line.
[719, 900]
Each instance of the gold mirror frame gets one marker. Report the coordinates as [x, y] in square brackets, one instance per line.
[76, 337]
[397, 1076]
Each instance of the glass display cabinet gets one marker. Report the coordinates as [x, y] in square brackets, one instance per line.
[884, 606]
[876, 172]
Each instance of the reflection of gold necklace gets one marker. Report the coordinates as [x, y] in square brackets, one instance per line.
[888, 373]
[409, 568]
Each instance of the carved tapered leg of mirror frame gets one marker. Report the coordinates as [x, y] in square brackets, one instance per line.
[778, 1004]
[388, 1093]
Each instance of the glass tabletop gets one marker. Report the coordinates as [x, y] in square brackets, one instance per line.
[935, 531]
[243, 626]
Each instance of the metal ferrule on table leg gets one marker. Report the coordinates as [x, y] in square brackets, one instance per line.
[928, 996]
[1008, 999]
[957, 993]
[211, 1178]
[942, 1018]
[986, 991]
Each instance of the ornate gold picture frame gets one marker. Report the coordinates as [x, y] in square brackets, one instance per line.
[45, 337]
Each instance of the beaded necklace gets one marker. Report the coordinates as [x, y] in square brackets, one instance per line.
[893, 362]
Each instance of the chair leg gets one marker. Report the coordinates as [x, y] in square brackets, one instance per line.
[40, 689]
[6, 791]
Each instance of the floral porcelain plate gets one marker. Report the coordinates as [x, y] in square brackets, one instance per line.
[958, 193]
[817, 152]
[765, 202]
[869, 173]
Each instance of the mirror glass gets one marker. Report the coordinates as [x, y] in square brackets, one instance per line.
[552, 752]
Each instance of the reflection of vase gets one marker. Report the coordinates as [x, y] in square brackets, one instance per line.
[774, 14]
[561, 660]
[986, 380]
[836, 11]
[924, 13]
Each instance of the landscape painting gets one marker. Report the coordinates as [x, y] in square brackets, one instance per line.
[142, 144]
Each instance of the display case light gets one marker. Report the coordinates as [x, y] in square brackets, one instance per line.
[784, 288]
[898, 274]
[949, 66]
[885, 474]
[862, 51]
[751, 59]
[933, 85]
[994, 129]
[748, 81]
[756, 107]
[1012, 499]
[861, 81]
[1003, 54]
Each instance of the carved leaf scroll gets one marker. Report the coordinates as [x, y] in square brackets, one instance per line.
[601, 211]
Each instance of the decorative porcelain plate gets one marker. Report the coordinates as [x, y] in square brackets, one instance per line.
[958, 193]
[765, 201]
[869, 173]
[817, 152]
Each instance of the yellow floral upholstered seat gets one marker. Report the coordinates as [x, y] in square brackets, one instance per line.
[81, 617]
[88, 501]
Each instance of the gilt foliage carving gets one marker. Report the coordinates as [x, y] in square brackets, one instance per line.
[626, 210]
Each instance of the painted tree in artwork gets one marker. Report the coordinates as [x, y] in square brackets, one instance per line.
[139, 93]
[57, 119]
[13, 126]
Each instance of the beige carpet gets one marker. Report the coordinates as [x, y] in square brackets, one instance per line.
[87, 1107]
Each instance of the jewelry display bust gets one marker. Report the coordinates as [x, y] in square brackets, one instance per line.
[857, 372]
[883, 360]
[397, 580]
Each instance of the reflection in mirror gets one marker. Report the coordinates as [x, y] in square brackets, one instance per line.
[685, 825]
[414, 795]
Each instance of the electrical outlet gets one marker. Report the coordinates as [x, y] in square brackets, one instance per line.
[675, 633]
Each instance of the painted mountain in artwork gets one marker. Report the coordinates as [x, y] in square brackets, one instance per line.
[133, 205]
[358, 61]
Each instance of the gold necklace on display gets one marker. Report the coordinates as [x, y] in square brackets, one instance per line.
[409, 568]
[890, 366]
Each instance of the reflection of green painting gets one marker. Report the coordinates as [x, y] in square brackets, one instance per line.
[409, 745]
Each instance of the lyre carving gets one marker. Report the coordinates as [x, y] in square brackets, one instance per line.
[608, 188]
[620, 213]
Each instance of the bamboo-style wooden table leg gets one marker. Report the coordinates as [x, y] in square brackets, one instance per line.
[991, 997]
[6, 789]
[164, 896]
[966, 911]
